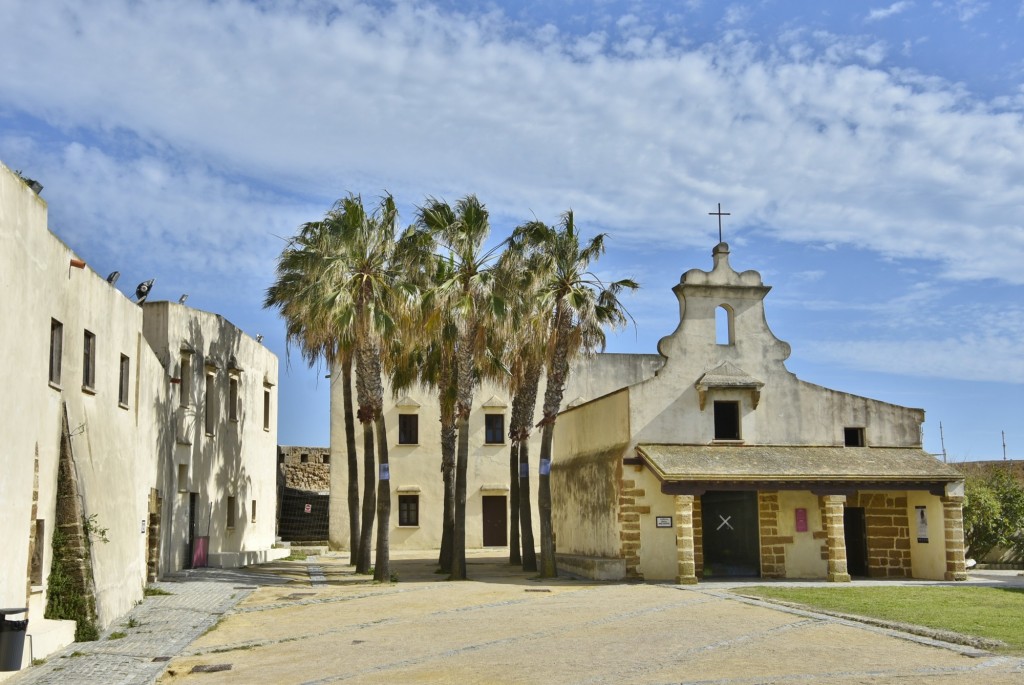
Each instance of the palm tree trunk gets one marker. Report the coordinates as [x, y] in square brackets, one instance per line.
[548, 568]
[369, 497]
[461, 474]
[353, 460]
[526, 509]
[365, 393]
[523, 406]
[462, 409]
[449, 438]
[382, 562]
[557, 374]
[514, 554]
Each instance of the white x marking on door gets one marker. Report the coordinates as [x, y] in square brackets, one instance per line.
[725, 523]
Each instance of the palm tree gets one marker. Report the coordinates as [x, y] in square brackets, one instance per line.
[470, 299]
[302, 293]
[525, 331]
[363, 281]
[578, 306]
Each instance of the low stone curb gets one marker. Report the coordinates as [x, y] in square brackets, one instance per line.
[982, 643]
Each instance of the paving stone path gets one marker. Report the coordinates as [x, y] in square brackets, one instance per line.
[162, 627]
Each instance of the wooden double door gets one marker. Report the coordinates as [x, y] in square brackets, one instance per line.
[731, 534]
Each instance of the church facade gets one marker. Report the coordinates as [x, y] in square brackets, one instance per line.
[724, 463]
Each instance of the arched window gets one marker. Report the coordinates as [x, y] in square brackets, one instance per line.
[724, 334]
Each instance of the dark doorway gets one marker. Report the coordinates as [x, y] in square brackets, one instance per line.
[731, 534]
[190, 543]
[856, 535]
[495, 521]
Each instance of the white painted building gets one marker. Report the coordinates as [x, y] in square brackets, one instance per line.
[73, 345]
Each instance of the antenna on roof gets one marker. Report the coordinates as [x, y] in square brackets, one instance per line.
[113, 276]
[181, 300]
[942, 439]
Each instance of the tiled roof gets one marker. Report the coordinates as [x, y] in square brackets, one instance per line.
[771, 462]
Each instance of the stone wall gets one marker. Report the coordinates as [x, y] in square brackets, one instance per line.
[629, 525]
[888, 530]
[304, 468]
[773, 545]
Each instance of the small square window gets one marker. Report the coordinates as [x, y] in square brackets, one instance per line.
[122, 381]
[408, 510]
[56, 349]
[408, 429]
[727, 420]
[304, 458]
[494, 429]
[233, 398]
[89, 361]
[853, 437]
[326, 459]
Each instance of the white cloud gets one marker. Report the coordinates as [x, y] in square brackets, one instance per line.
[810, 139]
[886, 12]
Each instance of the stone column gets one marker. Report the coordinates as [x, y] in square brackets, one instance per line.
[686, 563]
[953, 522]
[834, 506]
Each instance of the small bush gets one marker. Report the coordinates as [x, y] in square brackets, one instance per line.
[117, 635]
[153, 591]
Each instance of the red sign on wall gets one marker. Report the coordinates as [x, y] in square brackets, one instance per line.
[801, 520]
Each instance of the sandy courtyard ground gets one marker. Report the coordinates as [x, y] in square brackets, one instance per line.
[504, 626]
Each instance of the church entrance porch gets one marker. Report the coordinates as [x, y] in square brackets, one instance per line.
[730, 534]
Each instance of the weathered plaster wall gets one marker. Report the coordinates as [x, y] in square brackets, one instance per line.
[233, 456]
[586, 473]
[928, 559]
[114, 444]
[789, 411]
[803, 555]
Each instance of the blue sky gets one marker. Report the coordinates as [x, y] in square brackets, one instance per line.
[871, 155]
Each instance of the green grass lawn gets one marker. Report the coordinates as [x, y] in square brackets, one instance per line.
[994, 613]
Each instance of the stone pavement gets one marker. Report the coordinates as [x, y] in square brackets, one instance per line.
[156, 630]
[318, 623]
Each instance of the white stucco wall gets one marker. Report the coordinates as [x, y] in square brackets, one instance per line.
[788, 411]
[238, 458]
[114, 446]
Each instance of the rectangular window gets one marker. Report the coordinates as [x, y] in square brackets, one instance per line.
[494, 429]
[122, 381]
[408, 429]
[89, 361]
[254, 511]
[209, 406]
[182, 477]
[727, 420]
[266, 409]
[56, 349]
[231, 512]
[408, 510]
[185, 382]
[853, 437]
[233, 398]
[303, 458]
[326, 459]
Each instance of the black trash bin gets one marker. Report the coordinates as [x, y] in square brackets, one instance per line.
[12, 644]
